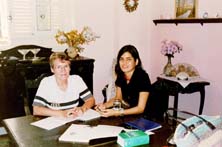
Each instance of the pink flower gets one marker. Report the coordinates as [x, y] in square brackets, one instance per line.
[169, 48]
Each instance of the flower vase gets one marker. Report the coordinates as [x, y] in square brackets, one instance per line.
[167, 68]
[72, 52]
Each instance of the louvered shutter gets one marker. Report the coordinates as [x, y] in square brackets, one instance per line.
[25, 14]
[21, 18]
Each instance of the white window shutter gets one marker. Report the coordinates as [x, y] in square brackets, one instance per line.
[22, 17]
[23, 20]
[56, 17]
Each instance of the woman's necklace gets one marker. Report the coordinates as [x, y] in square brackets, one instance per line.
[127, 78]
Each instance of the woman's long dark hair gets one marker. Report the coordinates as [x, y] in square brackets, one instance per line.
[135, 54]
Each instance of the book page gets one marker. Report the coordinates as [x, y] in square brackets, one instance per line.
[53, 122]
[89, 115]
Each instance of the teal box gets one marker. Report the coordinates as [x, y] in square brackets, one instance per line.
[133, 138]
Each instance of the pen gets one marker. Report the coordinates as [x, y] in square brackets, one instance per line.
[69, 114]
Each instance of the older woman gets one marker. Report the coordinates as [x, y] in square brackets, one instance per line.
[59, 94]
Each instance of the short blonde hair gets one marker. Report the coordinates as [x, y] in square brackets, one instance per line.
[58, 55]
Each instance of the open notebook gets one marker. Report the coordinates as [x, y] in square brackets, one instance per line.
[53, 122]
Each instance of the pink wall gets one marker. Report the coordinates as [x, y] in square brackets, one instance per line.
[109, 19]
[117, 28]
[201, 48]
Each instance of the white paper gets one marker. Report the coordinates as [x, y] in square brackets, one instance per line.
[2, 131]
[84, 133]
[53, 122]
[50, 122]
[89, 115]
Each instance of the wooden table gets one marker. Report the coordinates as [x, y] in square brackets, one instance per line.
[23, 134]
[173, 88]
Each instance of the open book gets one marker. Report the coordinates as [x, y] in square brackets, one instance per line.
[85, 133]
[53, 122]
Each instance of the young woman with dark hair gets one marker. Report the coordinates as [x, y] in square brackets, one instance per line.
[132, 85]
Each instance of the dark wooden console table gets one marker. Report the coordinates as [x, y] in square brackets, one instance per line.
[174, 88]
[20, 78]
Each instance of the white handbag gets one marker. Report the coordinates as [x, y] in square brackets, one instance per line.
[199, 131]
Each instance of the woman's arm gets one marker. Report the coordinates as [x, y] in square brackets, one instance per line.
[143, 97]
[139, 109]
[44, 111]
[89, 103]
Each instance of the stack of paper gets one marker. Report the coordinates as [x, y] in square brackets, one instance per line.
[84, 133]
[53, 122]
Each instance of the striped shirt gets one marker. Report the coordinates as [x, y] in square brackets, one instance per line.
[49, 94]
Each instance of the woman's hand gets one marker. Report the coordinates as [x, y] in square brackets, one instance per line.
[109, 112]
[100, 107]
[75, 112]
